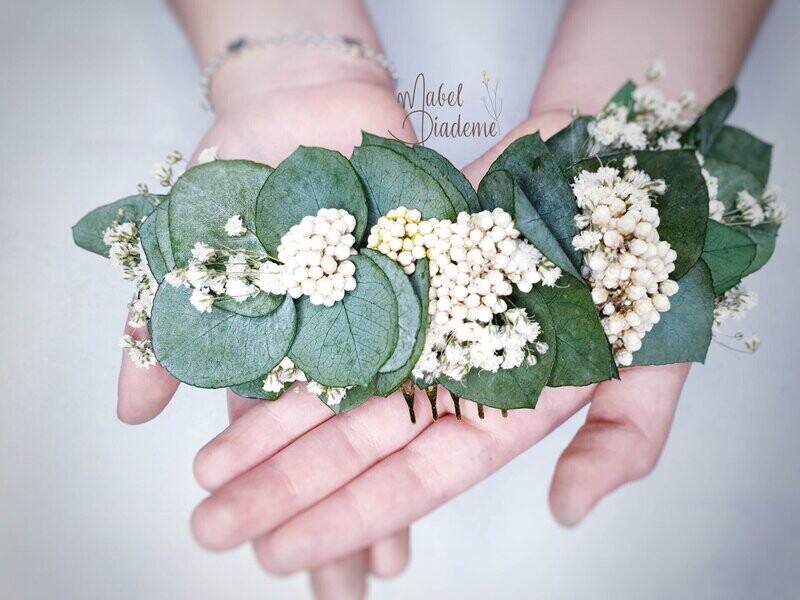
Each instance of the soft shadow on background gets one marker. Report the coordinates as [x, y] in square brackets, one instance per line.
[93, 93]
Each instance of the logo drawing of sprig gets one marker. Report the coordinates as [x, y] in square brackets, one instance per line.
[492, 105]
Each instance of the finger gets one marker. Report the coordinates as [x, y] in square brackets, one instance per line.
[142, 393]
[343, 579]
[306, 471]
[389, 556]
[625, 431]
[257, 434]
[442, 462]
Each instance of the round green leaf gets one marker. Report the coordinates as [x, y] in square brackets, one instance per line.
[259, 305]
[206, 196]
[408, 308]
[738, 147]
[583, 355]
[571, 144]
[539, 176]
[728, 253]
[499, 189]
[152, 251]
[386, 383]
[88, 232]
[451, 173]
[162, 233]
[217, 349]
[392, 179]
[684, 332]
[346, 344]
[308, 180]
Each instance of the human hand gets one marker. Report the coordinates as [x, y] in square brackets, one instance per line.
[310, 489]
[266, 126]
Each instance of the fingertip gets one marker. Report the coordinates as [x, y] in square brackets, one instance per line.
[389, 557]
[565, 510]
[210, 463]
[570, 497]
[268, 559]
[142, 394]
[209, 523]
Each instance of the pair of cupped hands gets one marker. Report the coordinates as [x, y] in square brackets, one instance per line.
[337, 494]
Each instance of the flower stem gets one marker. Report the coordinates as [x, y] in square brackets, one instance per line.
[504, 412]
[431, 393]
[480, 411]
[408, 394]
[457, 404]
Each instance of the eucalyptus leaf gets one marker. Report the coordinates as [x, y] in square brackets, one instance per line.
[408, 310]
[88, 232]
[217, 349]
[728, 254]
[518, 387]
[583, 355]
[708, 126]
[353, 398]
[346, 344]
[386, 383]
[455, 186]
[392, 178]
[205, 197]
[624, 95]
[162, 233]
[453, 175]
[148, 236]
[732, 179]
[255, 390]
[539, 176]
[308, 180]
[764, 237]
[572, 143]
[682, 209]
[738, 147]
[256, 306]
[498, 189]
[684, 332]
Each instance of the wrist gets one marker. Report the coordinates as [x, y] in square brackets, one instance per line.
[255, 75]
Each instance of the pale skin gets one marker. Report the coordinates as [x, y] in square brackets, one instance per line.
[336, 495]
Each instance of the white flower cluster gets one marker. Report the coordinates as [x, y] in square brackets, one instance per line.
[653, 122]
[716, 209]
[315, 254]
[733, 305]
[287, 373]
[234, 227]
[474, 263]
[626, 264]
[215, 273]
[208, 155]
[403, 236]
[454, 351]
[752, 211]
[127, 256]
[333, 395]
[139, 351]
[164, 172]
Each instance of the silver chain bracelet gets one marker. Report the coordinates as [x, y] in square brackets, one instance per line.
[341, 43]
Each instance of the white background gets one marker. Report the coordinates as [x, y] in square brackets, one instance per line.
[94, 91]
